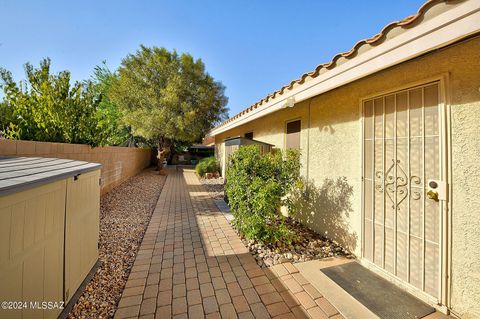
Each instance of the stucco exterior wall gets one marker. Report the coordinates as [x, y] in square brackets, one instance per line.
[118, 163]
[273, 133]
[219, 149]
[331, 146]
[465, 179]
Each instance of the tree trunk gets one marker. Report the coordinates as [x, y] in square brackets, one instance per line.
[162, 152]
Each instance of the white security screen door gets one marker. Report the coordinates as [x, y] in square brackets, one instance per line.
[402, 151]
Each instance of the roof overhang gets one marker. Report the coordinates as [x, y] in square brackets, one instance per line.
[446, 28]
[202, 147]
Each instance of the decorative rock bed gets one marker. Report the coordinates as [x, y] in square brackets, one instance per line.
[124, 216]
[308, 244]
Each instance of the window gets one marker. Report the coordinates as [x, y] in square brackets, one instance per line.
[293, 134]
[249, 135]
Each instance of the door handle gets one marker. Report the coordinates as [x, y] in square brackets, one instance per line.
[432, 195]
[436, 190]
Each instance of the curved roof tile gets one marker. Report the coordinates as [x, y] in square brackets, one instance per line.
[374, 40]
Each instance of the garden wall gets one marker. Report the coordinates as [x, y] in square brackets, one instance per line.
[118, 163]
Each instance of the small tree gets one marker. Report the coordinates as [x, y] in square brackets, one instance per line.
[166, 97]
[47, 107]
[257, 187]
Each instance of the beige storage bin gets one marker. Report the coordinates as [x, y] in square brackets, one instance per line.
[49, 223]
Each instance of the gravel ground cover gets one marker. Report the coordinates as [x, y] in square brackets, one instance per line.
[214, 186]
[124, 216]
[308, 244]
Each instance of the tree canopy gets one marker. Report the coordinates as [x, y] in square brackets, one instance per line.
[166, 97]
[111, 131]
[47, 107]
[156, 96]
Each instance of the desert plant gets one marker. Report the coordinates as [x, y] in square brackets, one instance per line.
[207, 165]
[257, 187]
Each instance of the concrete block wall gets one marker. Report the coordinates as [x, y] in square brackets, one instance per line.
[118, 163]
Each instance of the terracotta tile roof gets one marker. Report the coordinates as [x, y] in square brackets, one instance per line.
[374, 40]
[208, 140]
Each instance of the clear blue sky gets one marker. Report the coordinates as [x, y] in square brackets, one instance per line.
[253, 47]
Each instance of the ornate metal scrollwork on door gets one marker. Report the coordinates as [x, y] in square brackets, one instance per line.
[398, 186]
[416, 194]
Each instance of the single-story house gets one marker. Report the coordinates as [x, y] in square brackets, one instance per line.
[390, 130]
[192, 154]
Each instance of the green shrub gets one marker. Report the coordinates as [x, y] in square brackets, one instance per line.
[207, 165]
[257, 187]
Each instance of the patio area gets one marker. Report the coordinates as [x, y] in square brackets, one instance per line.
[192, 264]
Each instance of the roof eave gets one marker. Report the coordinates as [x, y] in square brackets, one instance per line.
[442, 30]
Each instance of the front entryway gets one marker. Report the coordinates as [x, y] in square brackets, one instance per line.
[402, 143]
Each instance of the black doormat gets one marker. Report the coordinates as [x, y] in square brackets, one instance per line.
[377, 294]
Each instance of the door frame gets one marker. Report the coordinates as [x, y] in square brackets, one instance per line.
[443, 303]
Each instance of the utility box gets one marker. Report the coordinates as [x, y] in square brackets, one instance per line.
[49, 225]
[233, 143]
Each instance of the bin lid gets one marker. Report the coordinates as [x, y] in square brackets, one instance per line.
[20, 173]
[238, 140]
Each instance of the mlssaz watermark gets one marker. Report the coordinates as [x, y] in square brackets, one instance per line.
[35, 305]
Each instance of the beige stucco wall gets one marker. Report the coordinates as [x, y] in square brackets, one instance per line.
[332, 147]
[118, 163]
[219, 154]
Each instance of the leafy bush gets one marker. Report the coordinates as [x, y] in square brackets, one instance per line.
[207, 165]
[49, 107]
[257, 187]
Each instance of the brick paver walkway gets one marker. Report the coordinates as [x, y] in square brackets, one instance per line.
[192, 264]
